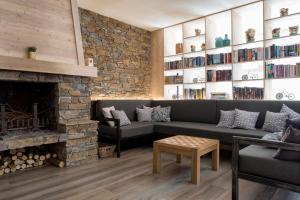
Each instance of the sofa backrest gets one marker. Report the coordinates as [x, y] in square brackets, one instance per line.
[256, 106]
[191, 110]
[129, 106]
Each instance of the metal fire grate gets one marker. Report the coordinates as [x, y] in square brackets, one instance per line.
[12, 120]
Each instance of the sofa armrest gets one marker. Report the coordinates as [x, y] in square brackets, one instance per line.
[237, 140]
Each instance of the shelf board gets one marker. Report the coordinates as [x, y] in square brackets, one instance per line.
[215, 65]
[167, 70]
[187, 68]
[201, 51]
[270, 79]
[216, 48]
[174, 84]
[282, 58]
[218, 81]
[195, 36]
[174, 55]
[200, 83]
[246, 43]
[275, 18]
[30, 65]
[250, 61]
[249, 80]
[287, 36]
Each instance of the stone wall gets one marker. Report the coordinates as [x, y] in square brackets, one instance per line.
[122, 54]
[72, 114]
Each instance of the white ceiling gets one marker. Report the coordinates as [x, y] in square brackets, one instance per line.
[155, 14]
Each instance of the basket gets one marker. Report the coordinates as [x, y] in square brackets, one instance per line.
[106, 150]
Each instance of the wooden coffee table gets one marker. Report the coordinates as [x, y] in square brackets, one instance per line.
[194, 147]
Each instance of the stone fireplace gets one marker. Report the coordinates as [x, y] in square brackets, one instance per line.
[59, 104]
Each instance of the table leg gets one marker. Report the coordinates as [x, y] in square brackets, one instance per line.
[178, 158]
[195, 167]
[216, 158]
[156, 158]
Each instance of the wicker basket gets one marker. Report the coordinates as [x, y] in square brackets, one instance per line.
[106, 150]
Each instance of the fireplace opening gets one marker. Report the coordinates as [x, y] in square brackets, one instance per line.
[27, 106]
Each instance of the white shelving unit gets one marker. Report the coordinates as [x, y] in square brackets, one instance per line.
[263, 16]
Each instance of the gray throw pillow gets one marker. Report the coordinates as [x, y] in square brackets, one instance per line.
[162, 114]
[273, 136]
[121, 115]
[226, 119]
[144, 115]
[245, 120]
[292, 114]
[275, 122]
[293, 122]
[291, 135]
[107, 114]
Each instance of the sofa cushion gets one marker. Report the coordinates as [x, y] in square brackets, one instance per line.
[134, 129]
[245, 119]
[256, 106]
[205, 130]
[191, 110]
[268, 166]
[275, 122]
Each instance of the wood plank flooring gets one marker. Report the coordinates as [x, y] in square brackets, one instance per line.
[130, 178]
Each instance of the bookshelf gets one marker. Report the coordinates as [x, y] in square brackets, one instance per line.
[208, 67]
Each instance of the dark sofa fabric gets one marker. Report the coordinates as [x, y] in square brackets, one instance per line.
[259, 161]
[132, 130]
[189, 117]
[205, 130]
[191, 110]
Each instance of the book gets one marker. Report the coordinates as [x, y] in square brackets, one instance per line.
[244, 55]
[222, 58]
[178, 64]
[219, 75]
[194, 62]
[275, 51]
[248, 93]
[194, 93]
[282, 71]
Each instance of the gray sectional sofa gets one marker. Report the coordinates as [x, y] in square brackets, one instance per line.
[255, 162]
[189, 117]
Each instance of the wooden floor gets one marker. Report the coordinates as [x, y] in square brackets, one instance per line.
[130, 177]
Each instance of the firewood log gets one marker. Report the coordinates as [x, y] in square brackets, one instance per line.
[36, 156]
[1, 172]
[42, 157]
[23, 166]
[14, 157]
[41, 163]
[30, 156]
[12, 151]
[57, 162]
[12, 167]
[29, 161]
[48, 155]
[6, 161]
[19, 154]
[54, 155]
[29, 166]
[18, 167]
[24, 157]
[35, 164]
[7, 170]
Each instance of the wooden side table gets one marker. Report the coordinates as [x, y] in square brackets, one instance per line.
[193, 147]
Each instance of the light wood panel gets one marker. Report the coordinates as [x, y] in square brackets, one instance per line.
[28, 65]
[130, 177]
[157, 59]
[51, 26]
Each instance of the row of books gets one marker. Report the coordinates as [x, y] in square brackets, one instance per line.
[195, 93]
[244, 55]
[248, 93]
[222, 58]
[282, 71]
[219, 75]
[174, 79]
[275, 51]
[194, 62]
[178, 64]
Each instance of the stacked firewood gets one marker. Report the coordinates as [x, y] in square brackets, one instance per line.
[20, 159]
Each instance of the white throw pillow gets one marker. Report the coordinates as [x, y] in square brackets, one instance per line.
[107, 114]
